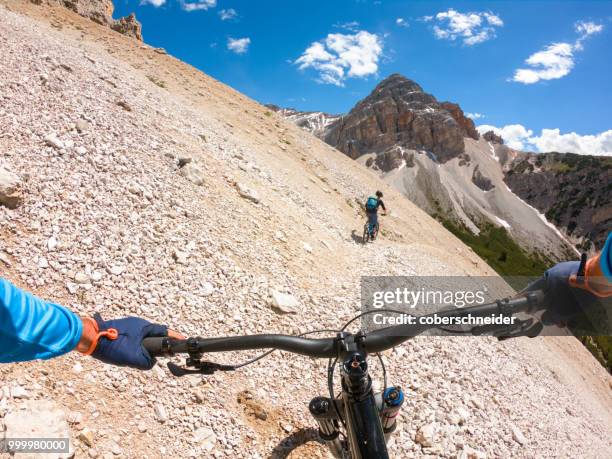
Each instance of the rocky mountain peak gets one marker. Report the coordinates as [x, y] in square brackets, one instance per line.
[397, 84]
[398, 113]
[400, 89]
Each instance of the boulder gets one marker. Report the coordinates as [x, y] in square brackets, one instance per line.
[10, 189]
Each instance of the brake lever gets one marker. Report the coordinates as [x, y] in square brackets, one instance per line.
[201, 368]
[529, 328]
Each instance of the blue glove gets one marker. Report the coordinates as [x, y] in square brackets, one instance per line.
[562, 300]
[126, 349]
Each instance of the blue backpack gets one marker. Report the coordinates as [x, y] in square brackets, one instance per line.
[372, 203]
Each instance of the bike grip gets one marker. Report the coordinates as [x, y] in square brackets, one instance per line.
[155, 345]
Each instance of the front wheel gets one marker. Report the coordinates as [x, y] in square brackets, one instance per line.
[366, 233]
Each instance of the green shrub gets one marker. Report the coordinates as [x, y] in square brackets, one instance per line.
[499, 250]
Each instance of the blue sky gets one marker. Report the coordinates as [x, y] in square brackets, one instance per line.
[326, 55]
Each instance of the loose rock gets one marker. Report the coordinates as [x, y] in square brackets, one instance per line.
[247, 193]
[285, 303]
[10, 189]
[425, 435]
[193, 173]
[53, 141]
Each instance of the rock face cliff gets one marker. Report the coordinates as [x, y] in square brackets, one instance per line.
[398, 113]
[492, 137]
[573, 191]
[466, 124]
[101, 11]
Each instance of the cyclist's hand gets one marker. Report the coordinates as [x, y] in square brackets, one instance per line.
[562, 300]
[124, 348]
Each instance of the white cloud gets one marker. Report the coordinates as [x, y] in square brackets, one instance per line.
[341, 56]
[352, 26]
[472, 28]
[197, 5]
[515, 135]
[238, 45]
[474, 116]
[155, 3]
[556, 60]
[228, 14]
[520, 138]
[401, 22]
[585, 28]
[553, 140]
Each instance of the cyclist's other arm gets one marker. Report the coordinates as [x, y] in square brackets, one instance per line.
[567, 294]
[31, 328]
[382, 204]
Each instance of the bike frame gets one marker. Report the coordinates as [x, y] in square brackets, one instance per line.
[357, 408]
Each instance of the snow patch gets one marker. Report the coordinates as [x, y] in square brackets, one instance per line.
[313, 122]
[492, 148]
[503, 222]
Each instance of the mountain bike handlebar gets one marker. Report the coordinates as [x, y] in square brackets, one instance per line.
[376, 341]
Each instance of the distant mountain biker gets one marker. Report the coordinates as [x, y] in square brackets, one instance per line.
[371, 206]
[31, 328]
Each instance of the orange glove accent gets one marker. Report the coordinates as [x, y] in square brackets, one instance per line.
[175, 335]
[594, 280]
[91, 334]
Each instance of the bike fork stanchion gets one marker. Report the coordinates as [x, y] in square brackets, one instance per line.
[392, 401]
[323, 411]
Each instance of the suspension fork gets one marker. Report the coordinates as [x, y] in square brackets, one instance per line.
[391, 402]
[324, 412]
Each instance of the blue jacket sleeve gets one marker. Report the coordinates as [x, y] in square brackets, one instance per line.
[606, 258]
[31, 328]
